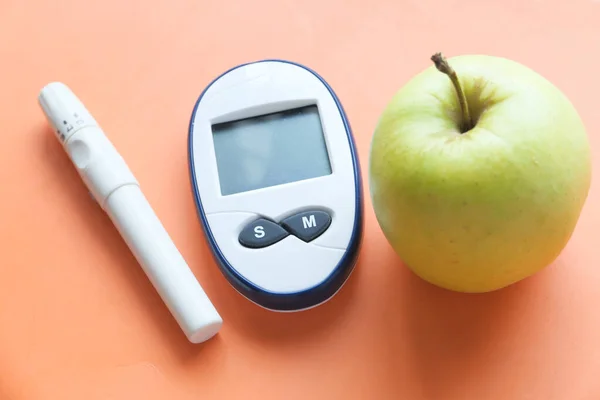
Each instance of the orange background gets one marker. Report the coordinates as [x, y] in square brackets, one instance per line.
[79, 319]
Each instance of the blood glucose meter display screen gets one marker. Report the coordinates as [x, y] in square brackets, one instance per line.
[270, 150]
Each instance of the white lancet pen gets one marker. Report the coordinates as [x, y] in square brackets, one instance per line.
[117, 191]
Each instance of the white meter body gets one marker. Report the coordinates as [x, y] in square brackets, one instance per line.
[277, 185]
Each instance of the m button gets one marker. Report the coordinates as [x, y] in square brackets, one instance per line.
[307, 225]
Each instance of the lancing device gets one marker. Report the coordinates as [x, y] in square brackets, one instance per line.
[117, 191]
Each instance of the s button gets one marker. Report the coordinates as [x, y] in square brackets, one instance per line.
[261, 233]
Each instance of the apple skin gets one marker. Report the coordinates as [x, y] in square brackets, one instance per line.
[478, 211]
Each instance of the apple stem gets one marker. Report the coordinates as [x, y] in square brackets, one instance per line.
[441, 63]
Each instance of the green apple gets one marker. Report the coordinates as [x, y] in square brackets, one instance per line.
[479, 169]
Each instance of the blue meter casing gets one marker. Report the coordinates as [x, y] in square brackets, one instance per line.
[277, 185]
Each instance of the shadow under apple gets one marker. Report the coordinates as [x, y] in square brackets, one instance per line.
[444, 342]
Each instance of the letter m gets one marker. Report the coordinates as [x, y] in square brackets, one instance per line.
[309, 222]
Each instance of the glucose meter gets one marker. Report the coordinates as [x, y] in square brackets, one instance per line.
[276, 180]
